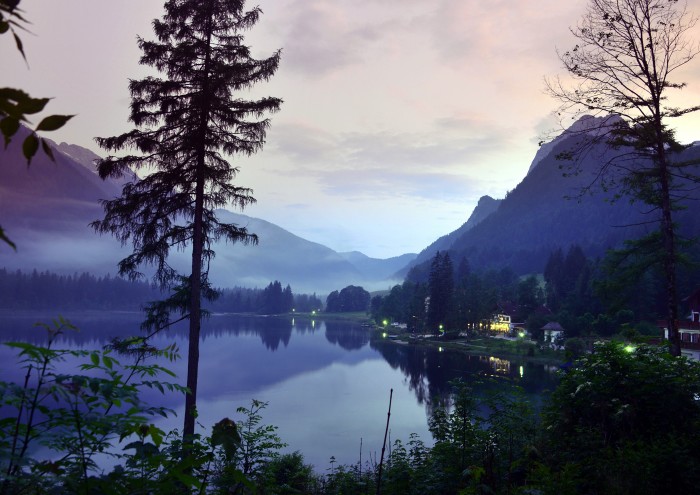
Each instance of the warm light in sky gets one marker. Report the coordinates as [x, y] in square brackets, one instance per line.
[398, 115]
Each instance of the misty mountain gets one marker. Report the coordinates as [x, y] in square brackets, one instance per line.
[45, 208]
[383, 269]
[548, 210]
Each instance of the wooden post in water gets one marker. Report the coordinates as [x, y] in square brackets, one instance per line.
[359, 479]
[386, 432]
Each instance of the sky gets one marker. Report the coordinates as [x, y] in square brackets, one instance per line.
[398, 115]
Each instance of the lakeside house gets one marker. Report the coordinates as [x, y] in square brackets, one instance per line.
[689, 329]
[501, 324]
[553, 334]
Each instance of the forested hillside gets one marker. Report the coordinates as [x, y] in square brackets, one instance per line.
[551, 210]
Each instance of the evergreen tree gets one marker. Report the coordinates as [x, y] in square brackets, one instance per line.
[529, 298]
[185, 120]
[553, 276]
[441, 290]
[287, 299]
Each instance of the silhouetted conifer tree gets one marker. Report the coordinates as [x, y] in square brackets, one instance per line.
[440, 289]
[186, 120]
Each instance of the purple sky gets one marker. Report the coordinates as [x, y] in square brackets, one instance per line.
[398, 114]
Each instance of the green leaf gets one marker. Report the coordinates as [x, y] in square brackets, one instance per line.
[47, 150]
[29, 147]
[108, 362]
[20, 47]
[9, 126]
[95, 359]
[53, 122]
[29, 105]
[187, 479]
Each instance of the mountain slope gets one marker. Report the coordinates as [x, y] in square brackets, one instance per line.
[547, 210]
[485, 207]
[46, 208]
[538, 216]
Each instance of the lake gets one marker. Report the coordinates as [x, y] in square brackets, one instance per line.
[326, 384]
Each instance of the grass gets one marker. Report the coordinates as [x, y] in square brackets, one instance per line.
[480, 345]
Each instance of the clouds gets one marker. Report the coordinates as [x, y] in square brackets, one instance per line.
[395, 111]
[320, 37]
[387, 164]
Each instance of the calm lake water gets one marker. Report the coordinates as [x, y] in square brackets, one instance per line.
[326, 384]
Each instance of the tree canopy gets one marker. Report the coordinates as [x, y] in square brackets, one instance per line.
[189, 121]
[623, 67]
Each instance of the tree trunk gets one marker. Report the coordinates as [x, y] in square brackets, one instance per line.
[197, 252]
[195, 312]
[669, 244]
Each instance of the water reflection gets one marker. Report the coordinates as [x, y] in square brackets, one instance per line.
[327, 382]
[349, 336]
[429, 370]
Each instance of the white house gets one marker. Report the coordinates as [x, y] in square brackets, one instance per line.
[553, 334]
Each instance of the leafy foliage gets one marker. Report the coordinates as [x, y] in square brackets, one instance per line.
[623, 65]
[76, 417]
[600, 433]
[16, 105]
[350, 299]
[609, 421]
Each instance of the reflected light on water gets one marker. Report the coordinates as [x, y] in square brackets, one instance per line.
[326, 382]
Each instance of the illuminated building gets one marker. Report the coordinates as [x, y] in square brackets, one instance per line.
[501, 324]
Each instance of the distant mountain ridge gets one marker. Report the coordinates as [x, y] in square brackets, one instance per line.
[46, 208]
[373, 267]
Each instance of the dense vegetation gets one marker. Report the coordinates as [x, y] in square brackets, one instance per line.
[349, 299]
[605, 429]
[589, 297]
[46, 290]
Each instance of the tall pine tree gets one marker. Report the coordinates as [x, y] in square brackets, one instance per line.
[441, 290]
[188, 120]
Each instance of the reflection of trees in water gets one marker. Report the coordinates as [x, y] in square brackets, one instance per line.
[97, 329]
[429, 371]
[350, 337]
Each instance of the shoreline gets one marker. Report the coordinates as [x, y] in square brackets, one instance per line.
[482, 345]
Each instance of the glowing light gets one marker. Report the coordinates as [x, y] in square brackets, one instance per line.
[440, 349]
[522, 372]
[630, 348]
[521, 335]
[500, 323]
[385, 322]
[384, 335]
[313, 312]
[499, 365]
